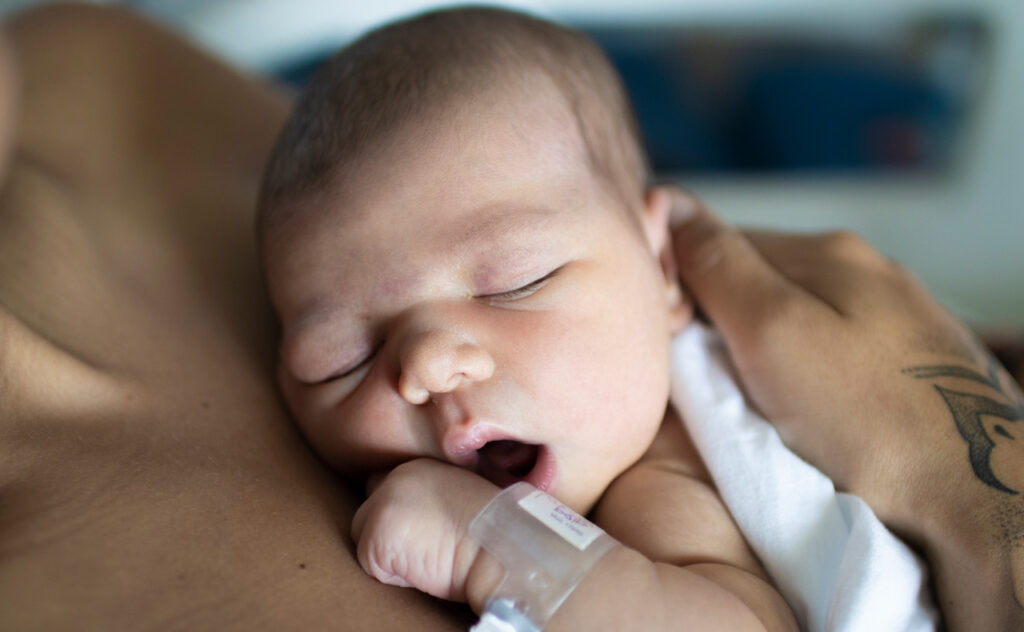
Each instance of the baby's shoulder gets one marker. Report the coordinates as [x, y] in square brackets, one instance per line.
[673, 451]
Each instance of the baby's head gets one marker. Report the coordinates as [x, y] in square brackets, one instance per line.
[459, 243]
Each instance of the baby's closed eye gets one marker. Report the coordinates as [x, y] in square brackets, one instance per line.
[353, 367]
[522, 291]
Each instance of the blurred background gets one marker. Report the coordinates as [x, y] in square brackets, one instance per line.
[899, 119]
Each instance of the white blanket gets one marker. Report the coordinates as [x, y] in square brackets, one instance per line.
[830, 557]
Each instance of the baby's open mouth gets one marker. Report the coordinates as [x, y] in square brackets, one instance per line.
[506, 461]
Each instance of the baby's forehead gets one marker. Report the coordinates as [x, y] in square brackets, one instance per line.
[460, 149]
[468, 113]
[484, 166]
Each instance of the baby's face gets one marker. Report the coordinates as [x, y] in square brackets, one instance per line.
[475, 295]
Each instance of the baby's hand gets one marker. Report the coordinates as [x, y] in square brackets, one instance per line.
[413, 529]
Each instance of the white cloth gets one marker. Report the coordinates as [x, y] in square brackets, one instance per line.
[831, 558]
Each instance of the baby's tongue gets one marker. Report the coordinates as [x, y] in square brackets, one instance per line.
[505, 462]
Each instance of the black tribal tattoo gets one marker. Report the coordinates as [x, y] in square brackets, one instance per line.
[969, 408]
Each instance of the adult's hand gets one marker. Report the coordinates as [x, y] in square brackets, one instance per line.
[869, 379]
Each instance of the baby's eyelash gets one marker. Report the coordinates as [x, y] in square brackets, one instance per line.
[352, 370]
[525, 290]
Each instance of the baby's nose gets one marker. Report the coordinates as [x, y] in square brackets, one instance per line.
[440, 362]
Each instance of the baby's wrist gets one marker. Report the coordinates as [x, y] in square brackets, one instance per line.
[538, 551]
[482, 580]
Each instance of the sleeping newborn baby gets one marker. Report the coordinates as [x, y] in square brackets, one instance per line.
[475, 286]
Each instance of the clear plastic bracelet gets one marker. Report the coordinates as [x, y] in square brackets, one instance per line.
[546, 549]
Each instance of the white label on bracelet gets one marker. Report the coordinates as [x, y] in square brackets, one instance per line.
[574, 528]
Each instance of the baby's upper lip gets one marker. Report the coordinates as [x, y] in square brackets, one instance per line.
[460, 444]
[463, 448]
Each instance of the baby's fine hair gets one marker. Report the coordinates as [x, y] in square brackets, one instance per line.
[407, 68]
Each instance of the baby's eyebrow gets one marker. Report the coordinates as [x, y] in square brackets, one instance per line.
[491, 223]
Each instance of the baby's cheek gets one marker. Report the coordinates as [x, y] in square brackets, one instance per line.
[367, 425]
[295, 397]
[334, 420]
[574, 376]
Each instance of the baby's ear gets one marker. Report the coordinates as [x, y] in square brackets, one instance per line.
[655, 220]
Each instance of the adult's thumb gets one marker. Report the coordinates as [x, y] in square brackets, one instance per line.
[723, 271]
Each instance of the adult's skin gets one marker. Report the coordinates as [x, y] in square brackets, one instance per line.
[868, 378]
[149, 476]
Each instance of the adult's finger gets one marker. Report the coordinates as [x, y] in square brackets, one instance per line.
[839, 245]
[727, 276]
[839, 268]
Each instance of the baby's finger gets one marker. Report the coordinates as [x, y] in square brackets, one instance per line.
[728, 277]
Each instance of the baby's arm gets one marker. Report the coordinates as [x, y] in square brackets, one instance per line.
[412, 531]
[666, 508]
